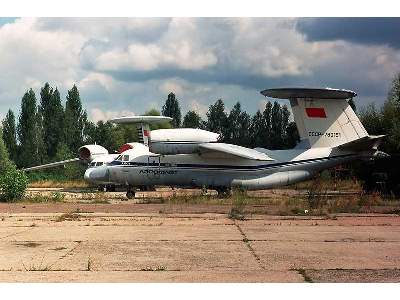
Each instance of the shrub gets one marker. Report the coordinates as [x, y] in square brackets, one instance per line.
[13, 184]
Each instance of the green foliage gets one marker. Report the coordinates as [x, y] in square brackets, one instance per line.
[192, 120]
[162, 125]
[75, 120]
[13, 184]
[52, 113]
[171, 109]
[5, 163]
[10, 134]
[217, 119]
[28, 132]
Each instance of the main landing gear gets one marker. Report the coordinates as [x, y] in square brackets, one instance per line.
[223, 191]
[130, 192]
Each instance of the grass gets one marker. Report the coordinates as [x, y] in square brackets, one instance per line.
[239, 201]
[152, 269]
[303, 273]
[59, 184]
[70, 216]
[40, 198]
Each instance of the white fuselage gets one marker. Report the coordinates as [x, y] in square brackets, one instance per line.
[194, 170]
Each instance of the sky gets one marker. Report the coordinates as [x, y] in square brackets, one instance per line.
[126, 66]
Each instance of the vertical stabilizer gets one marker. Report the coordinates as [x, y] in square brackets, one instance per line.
[323, 117]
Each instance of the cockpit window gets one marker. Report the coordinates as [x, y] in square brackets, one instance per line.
[98, 164]
[119, 157]
[92, 164]
[126, 158]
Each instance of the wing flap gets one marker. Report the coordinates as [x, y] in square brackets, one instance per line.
[222, 150]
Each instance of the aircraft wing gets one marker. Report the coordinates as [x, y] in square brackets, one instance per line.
[365, 143]
[52, 165]
[222, 150]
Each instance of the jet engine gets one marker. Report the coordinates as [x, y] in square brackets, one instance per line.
[179, 140]
[89, 152]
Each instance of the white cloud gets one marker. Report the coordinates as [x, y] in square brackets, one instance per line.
[131, 64]
[173, 86]
[97, 114]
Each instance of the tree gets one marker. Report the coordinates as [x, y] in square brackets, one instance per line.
[192, 120]
[256, 130]
[75, 120]
[276, 126]
[237, 129]
[162, 125]
[266, 131]
[10, 135]
[5, 163]
[233, 125]
[171, 109]
[292, 135]
[371, 118]
[217, 119]
[28, 131]
[52, 113]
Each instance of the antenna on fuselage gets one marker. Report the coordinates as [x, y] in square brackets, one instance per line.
[143, 125]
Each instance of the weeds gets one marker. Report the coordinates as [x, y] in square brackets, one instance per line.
[239, 202]
[157, 268]
[39, 267]
[89, 264]
[303, 273]
[70, 216]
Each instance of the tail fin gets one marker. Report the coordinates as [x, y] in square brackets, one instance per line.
[143, 125]
[323, 117]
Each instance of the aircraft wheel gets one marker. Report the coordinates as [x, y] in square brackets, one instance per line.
[130, 194]
[111, 188]
[102, 188]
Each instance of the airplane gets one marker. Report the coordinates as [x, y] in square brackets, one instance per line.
[96, 155]
[330, 134]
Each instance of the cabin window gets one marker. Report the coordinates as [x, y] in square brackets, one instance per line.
[126, 158]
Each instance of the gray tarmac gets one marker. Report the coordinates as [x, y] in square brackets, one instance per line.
[102, 246]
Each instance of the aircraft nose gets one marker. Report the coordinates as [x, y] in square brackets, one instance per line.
[97, 175]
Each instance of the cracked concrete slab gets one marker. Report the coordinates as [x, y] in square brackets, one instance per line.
[197, 247]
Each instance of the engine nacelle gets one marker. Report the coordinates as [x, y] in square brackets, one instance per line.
[274, 180]
[179, 140]
[89, 152]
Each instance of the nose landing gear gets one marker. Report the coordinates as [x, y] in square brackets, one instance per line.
[130, 192]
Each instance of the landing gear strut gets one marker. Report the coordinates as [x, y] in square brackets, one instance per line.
[130, 193]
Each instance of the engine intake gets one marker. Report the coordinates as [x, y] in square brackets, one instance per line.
[89, 152]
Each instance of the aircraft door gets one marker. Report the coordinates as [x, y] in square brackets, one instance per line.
[154, 165]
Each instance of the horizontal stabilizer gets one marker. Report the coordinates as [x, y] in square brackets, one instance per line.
[52, 165]
[309, 93]
[365, 143]
[222, 150]
[141, 119]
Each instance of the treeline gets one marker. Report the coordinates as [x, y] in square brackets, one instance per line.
[386, 119]
[383, 174]
[270, 128]
[46, 130]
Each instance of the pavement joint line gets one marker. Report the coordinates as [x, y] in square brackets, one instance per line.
[16, 233]
[78, 243]
[252, 251]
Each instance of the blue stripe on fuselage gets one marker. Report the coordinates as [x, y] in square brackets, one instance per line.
[133, 164]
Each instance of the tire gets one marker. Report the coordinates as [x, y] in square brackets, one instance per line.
[130, 194]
